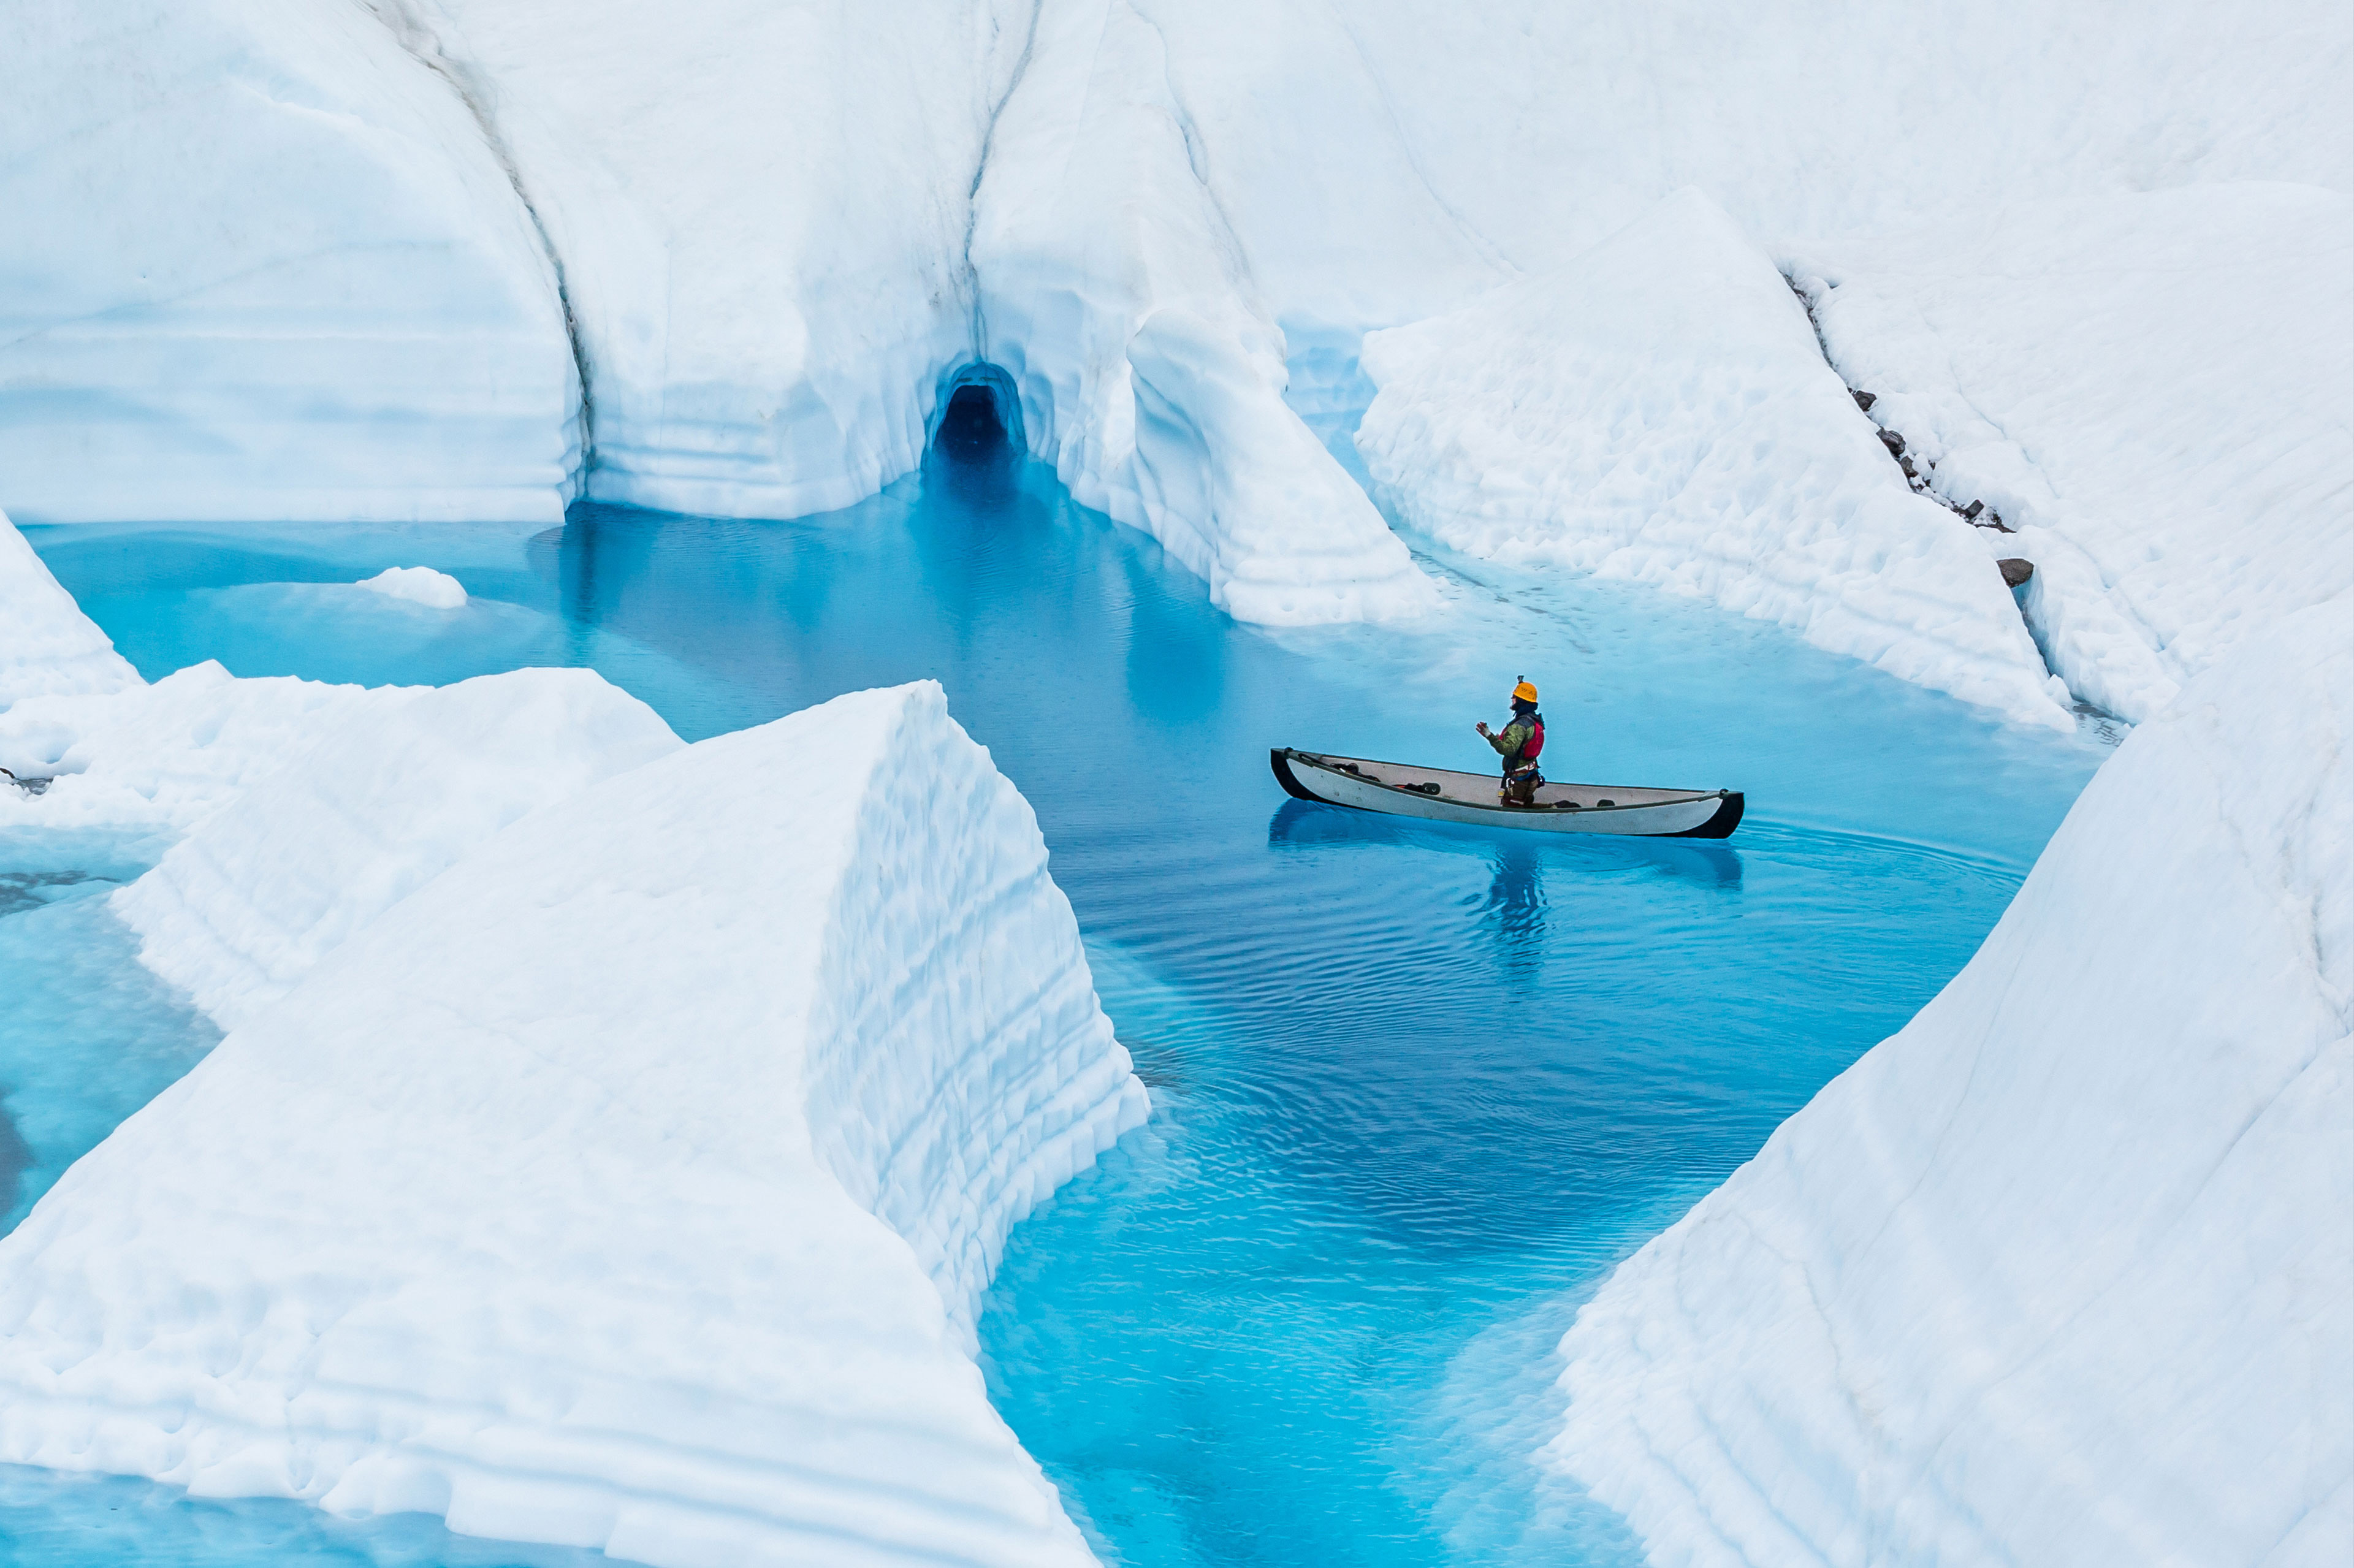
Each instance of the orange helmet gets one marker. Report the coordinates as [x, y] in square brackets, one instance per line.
[1525, 692]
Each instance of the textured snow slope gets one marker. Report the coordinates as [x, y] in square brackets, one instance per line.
[382, 795]
[1658, 409]
[2059, 1274]
[260, 263]
[629, 1184]
[1151, 375]
[2156, 390]
[48, 646]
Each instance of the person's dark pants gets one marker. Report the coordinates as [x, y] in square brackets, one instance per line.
[1521, 789]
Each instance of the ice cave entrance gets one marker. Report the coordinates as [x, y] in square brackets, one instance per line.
[1417, 1087]
[978, 419]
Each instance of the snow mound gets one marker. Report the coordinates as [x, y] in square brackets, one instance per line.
[165, 755]
[2059, 1272]
[417, 585]
[632, 1184]
[278, 273]
[2156, 390]
[48, 646]
[386, 794]
[1660, 411]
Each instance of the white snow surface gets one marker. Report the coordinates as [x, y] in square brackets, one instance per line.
[48, 646]
[1658, 410]
[383, 794]
[2059, 1272]
[262, 264]
[165, 755]
[417, 585]
[2156, 390]
[630, 1184]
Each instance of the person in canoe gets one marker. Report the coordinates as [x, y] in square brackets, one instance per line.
[1517, 743]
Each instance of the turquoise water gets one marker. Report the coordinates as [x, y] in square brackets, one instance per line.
[1417, 1087]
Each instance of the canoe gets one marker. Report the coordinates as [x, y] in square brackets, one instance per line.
[1439, 795]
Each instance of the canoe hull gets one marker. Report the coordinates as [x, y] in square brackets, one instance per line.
[1441, 795]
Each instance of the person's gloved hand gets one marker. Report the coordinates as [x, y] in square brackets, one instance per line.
[1481, 726]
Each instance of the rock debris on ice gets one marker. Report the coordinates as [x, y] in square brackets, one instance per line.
[2059, 1274]
[630, 1184]
[2156, 390]
[1658, 409]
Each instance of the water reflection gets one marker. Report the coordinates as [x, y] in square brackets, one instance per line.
[1303, 824]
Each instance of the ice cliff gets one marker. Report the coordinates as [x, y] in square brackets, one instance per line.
[349, 255]
[2156, 391]
[1658, 409]
[2058, 1274]
[262, 264]
[631, 1183]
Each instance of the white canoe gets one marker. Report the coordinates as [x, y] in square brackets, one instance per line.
[1402, 789]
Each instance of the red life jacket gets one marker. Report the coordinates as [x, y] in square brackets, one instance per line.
[1536, 738]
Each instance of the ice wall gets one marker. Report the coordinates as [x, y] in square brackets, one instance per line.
[48, 646]
[1151, 372]
[382, 794]
[2059, 1274]
[761, 211]
[260, 264]
[1658, 410]
[628, 1184]
[2156, 390]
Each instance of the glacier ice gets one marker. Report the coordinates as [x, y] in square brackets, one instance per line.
[417, 585]
[1151, 372]
[48, 646]
[630, 1184]
[2059, 1274]
[276, 273]
[383, 793]
[776, 232]
[2156, 390]
[1658, 409]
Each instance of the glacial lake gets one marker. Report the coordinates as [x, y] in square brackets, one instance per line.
[1416, 1088]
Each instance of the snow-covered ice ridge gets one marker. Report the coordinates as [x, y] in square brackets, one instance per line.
[2156, 391]
[1658, 409]
[769, 236]
[2059, 1274]
[631, 1183]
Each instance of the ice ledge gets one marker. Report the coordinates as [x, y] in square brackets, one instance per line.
[629, 1185]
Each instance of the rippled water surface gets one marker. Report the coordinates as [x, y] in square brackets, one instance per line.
[1417, 1087]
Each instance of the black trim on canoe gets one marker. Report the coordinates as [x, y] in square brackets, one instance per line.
[1720, 826]
[1280, 760]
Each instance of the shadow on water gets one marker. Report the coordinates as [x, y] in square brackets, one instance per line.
[1304, 824]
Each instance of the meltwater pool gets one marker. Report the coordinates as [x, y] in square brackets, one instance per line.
[1416, 1088]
